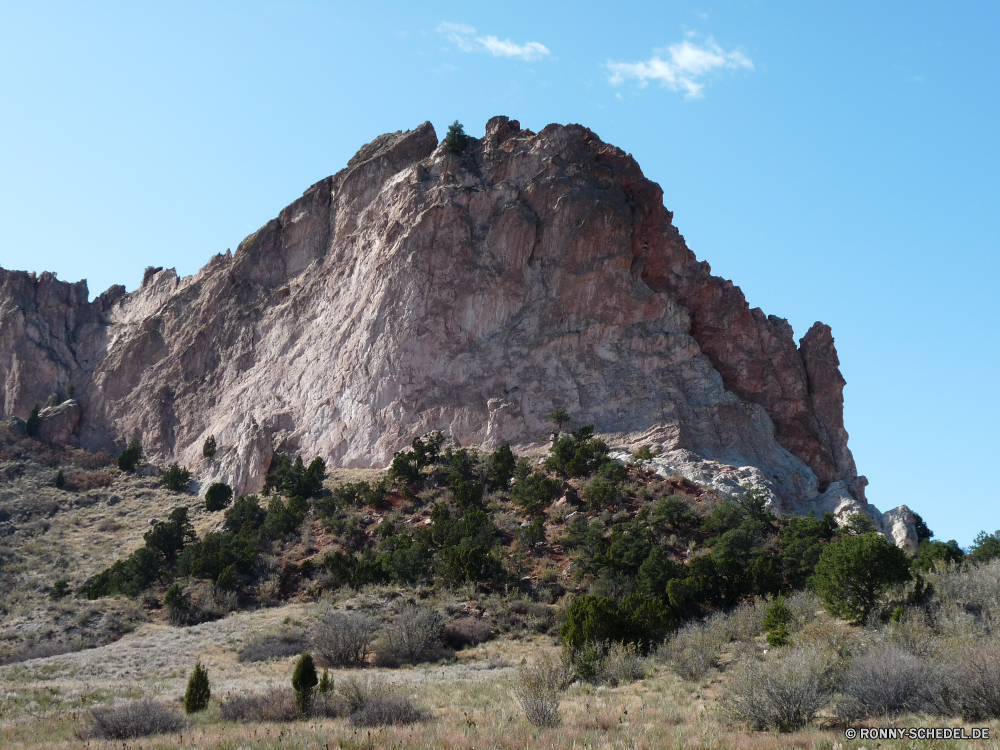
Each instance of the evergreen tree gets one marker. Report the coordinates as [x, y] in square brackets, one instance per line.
[176, 478]
[218, 496]
[198, 690]
[131, 457]
[325, 684]
[304, 680]
[852, 573]
[209, 448]
[34, 423]
[60, 479]
[559, 417]
[456, 139]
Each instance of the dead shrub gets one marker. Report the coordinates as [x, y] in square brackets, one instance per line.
[415, 636]
[783, 693]
[108, 524]
[91, 480]
[277, 705]
[274, 647]
[372, 702]
[342, 639]
[37, 651]
[621, 664]
[386, 709]
[973, 680]
[134, 719]
[886, 681]
[539, 687]
[467, 631]
[693, 650]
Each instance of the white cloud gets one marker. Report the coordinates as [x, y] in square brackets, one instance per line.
[685, 68]
[463, 37]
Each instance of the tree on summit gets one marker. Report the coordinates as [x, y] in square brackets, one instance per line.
[456, 139]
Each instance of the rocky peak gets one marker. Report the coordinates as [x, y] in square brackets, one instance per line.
[418, 289]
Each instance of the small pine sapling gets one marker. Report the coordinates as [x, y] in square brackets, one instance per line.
[209, 448]
[198, 691]
[34, 423]
[304, 679]
[325, 684]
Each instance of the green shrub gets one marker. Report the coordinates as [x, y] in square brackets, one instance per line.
[60, 589]
[174, 598]
[559, 417]
[599, 493]
[131, 457]
[325, 683]
[60, 480]
[293, 478]
[169, 537]
[33, 423]
[304, 679]
[535, 493]
[645, 453]
[673, 513]
[577, 454]
[211, 557]
[130, 576]
[198, 691]
[778, 636]
[218, 496]
[777, 613]
[637, 619]
[533, 533]
[930, 552]
[985, 547]
[500, 467]
[209, 448]
[852, 572]
[245, 516]
[176, 478]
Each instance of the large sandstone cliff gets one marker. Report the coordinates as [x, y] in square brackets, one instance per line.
[418, 290]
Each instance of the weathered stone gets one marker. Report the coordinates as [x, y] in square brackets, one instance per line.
[56, 424]
[419, 290]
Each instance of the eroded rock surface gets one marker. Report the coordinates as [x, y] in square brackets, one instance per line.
[418, 290]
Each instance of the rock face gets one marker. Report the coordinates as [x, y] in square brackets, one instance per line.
[418, 290]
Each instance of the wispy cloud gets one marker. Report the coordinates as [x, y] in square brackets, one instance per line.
[464, 37]
[684, 66]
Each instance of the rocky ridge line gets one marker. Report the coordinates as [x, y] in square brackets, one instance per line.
[417, 290]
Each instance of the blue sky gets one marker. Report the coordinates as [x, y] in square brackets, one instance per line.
[838, 161]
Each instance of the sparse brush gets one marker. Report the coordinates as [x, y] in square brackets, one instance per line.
[887, 681]
[342, 639]
[693, 650]
[973, 680]
[467, 631]
[783, 693]
[277, 705]
[274, 647]
[539, 687]
[134, 719]
[416, 635]
[387, 709]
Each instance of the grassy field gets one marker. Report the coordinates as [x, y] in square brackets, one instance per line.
[63, 656]
[44, 702]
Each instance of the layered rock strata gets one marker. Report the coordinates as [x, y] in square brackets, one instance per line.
[418, 289]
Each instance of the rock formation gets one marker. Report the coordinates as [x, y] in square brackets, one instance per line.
[418, 289]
